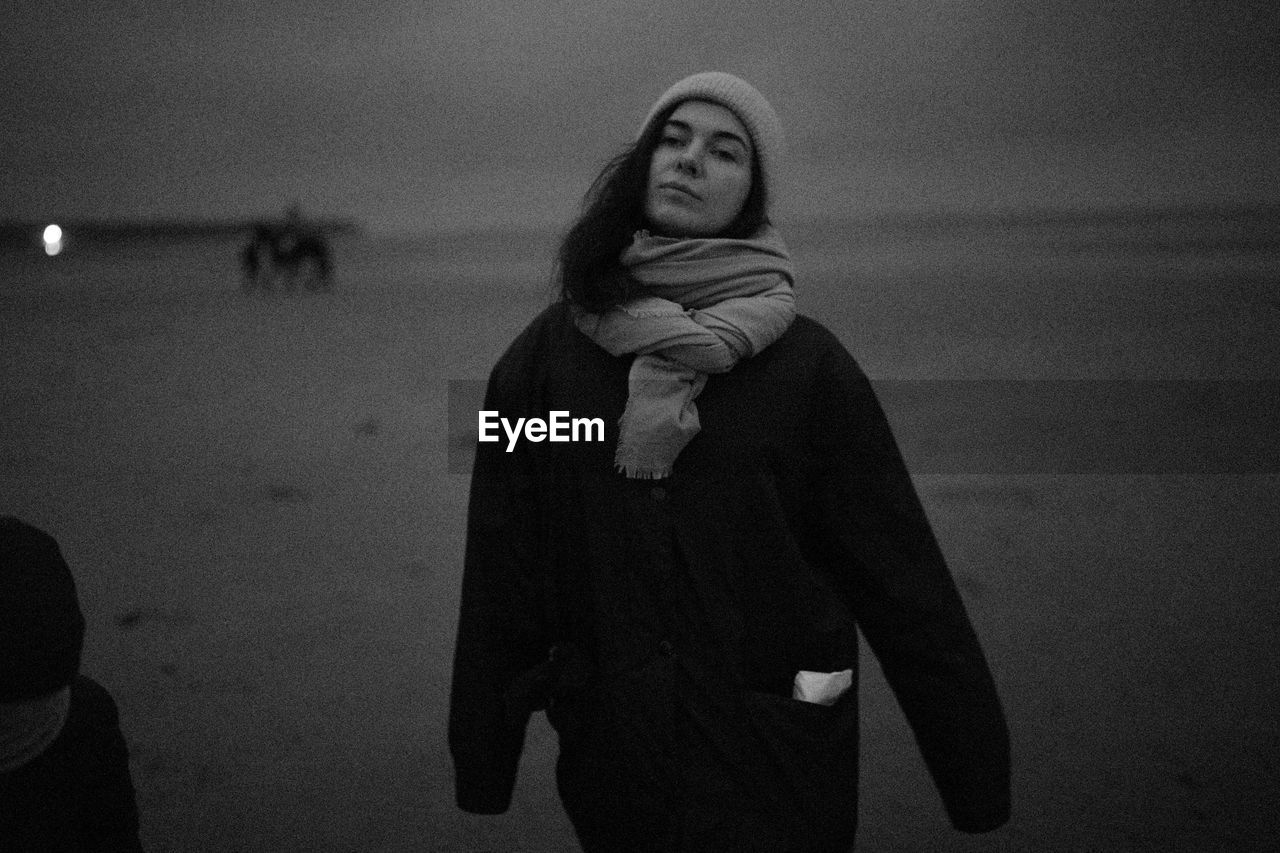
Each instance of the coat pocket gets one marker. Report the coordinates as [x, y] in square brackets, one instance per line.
[809, 753]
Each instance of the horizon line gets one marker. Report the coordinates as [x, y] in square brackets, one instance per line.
[106, 226]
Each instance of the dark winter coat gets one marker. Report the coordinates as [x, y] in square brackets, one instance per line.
[790, 521]
[77, 795]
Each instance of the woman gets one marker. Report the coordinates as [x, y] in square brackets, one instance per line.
[64, 763]
[685, 595]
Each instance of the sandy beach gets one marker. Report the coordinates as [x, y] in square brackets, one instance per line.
[264, 511]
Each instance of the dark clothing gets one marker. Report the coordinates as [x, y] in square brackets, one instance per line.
[77, 795]
[789, 522]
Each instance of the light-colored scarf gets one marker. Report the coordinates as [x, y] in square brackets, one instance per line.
[708, 303]
[28, 727]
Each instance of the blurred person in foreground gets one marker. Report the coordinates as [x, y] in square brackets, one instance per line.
[684, 596]
[64, 766]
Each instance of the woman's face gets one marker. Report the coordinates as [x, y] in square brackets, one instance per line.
[700, 171]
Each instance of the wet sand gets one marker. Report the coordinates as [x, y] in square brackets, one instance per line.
[255, 496]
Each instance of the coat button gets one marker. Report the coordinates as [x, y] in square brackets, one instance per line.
[658, 493]
[666, 648]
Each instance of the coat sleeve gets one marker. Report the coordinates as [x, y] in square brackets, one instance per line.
[109, 818]
[881, 550]
[500, 624]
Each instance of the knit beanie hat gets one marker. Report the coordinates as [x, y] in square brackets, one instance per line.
[742, 99]
[41, 627]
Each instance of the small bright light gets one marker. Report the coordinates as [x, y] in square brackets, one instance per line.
[52, 240]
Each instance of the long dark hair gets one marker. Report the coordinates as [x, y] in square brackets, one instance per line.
[591, 274]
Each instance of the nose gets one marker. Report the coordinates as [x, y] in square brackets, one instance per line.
[688, 163]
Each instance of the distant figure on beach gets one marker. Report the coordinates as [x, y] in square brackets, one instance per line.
[64, 766]
[684, 597]
[286, 253]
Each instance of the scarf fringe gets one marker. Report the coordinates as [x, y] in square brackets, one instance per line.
[634, 471]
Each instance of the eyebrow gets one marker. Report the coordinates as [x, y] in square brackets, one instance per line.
[719, 134]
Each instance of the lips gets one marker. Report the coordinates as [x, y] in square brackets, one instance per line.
[680, 188]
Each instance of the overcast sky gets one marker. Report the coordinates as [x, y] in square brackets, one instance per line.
[427, 114]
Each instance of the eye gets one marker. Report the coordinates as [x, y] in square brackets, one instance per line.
[729, 155]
